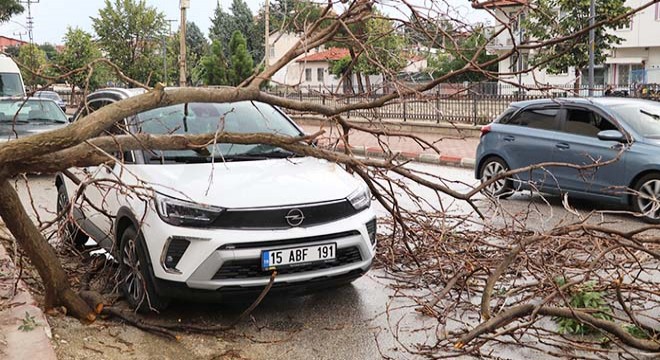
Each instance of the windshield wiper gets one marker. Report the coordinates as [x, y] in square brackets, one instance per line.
[47, 120]
[207, 159]
[654, 116]
[272, 154]
[12, 121]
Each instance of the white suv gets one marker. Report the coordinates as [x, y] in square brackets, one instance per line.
[219, 220]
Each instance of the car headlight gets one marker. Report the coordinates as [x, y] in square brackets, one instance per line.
[360, 199]
[184, 213]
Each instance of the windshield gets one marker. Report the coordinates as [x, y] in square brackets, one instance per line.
[48, 95]
[204, 118]
[30, 111]
[644, 118]
[11, 85]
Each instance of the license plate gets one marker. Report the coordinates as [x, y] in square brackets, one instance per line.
[274, 259]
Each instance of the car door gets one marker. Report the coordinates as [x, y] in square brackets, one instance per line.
[578, 144]
[97, 216]
[528, 139]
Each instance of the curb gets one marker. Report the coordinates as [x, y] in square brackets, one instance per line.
[16, 344]
[435, 159]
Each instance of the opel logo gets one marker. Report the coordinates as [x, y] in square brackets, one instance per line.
[294, 217]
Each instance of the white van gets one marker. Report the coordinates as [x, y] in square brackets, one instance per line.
[11, 81]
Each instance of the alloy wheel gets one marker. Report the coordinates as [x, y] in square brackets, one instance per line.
[491, 170]
[648, 199]
[132, 276]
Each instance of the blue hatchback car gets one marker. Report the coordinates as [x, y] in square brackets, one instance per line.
[622, 133]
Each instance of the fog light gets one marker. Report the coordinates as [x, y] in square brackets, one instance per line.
[173, 251]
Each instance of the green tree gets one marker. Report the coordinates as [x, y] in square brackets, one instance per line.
[50, 50]
[130, 33]
[9, 8]
[35, 60]
[293, 15]
[242, 64]
[544, 24]
[212, 68]
[223, 26]
[384, 48]
[457, 56]
[80, 50]
[13, 51]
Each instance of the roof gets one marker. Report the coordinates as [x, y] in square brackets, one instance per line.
[488, 4]
[605, 101]
[327, 55]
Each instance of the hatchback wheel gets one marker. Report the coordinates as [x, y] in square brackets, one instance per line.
[133, 270]
[69, 232]
[491, 168]
[646, 200]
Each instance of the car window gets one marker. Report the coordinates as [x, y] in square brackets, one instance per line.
[90, 108]
[586, 122]
[644, 117]
[30, 111]
[544, 119]
[207, 118]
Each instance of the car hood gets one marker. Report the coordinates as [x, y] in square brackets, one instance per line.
[7, 132]
[259, 183]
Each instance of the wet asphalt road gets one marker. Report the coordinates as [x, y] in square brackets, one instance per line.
[357, 321]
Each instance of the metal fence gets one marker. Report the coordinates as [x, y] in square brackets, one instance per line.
[460, 103]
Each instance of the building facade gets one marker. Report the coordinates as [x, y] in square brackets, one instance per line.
[635, 60]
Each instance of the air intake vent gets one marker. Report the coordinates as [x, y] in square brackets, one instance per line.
[175, 250]
[371, 229]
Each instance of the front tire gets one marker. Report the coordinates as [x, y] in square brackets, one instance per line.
[134, 274]
[69, 232]
[646, 199]
[491, 168]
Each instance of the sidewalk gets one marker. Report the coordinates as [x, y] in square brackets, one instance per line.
[24, 330]
[453, 151]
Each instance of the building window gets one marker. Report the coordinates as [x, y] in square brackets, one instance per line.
[319, 74]
[657, 12]
[515, 66]
[308, 74]
[272, 51]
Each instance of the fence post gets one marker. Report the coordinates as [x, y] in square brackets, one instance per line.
[437, 108]
[474, 108]
[404, 108]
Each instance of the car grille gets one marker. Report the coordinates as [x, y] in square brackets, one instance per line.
[274, 243]
[276, 218]
[251, 268]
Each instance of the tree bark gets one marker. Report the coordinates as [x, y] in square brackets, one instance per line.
[41, 254]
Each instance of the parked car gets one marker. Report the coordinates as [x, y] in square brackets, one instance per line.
[11, 81]
[21, 117]
[53, 96]
[578, 132]
[218, 221]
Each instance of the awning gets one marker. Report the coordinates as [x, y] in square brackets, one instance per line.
[624, 60]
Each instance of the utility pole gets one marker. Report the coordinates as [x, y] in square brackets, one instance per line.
[184, 4]
[165, 37]
[20, 34]
[267, 35]
[592, 44]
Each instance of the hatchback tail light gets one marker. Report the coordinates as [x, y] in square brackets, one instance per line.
[485, 130]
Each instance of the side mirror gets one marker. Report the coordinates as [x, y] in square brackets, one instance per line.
[611, 135]
[70, 119]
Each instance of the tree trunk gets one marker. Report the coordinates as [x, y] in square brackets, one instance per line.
[41, 254]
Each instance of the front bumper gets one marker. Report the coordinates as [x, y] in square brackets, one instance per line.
[229, 260]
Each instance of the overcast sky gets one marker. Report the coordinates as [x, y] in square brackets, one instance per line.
[51, 17]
